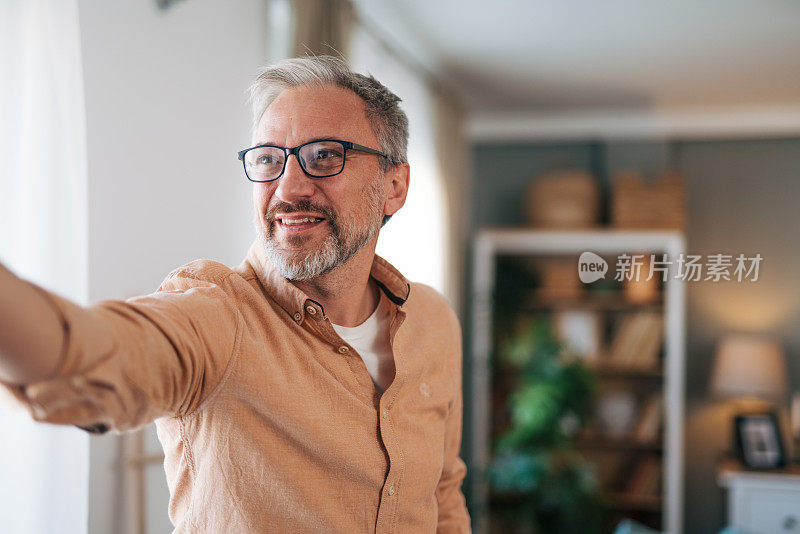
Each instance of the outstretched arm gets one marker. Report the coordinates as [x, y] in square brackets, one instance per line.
[31, 332]
[118, 364]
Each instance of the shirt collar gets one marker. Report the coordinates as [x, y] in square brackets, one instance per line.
[293, 300]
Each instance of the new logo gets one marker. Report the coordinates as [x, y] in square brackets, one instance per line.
[591, 267]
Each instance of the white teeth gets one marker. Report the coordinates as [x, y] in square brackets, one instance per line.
[300, 221]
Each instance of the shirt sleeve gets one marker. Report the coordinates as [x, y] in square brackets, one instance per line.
[125, 363]
[453, 515]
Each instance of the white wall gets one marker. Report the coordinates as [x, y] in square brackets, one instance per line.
[166, 114]
[423, 212]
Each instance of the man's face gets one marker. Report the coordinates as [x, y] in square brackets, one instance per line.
[309, 226]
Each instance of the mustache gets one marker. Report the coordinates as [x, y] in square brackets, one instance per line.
[302, 205]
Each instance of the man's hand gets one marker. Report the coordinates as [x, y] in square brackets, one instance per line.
[31, 332]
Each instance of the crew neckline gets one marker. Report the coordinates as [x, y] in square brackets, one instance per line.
[358, 331]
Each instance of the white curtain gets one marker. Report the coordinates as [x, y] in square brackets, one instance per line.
[414, 240]
[44, 469]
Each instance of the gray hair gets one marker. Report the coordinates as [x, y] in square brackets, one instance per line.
[388, 121]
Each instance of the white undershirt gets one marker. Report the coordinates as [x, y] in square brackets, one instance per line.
[371, 340]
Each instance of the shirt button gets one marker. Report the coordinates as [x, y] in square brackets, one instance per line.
[78, 382]
[39, 411]
[391, 489]
[297, 316]
[311, 310]
[343, 349]
[385, 414]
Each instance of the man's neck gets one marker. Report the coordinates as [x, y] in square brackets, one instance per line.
[347, 293]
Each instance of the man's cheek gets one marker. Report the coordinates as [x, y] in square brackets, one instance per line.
[260, 197]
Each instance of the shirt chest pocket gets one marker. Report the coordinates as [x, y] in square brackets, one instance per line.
[429, 407]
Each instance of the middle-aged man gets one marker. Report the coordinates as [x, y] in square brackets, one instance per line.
[309, 389]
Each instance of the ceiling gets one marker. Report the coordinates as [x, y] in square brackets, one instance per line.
[535, 55]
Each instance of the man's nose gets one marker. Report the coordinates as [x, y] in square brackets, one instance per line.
[294, 184]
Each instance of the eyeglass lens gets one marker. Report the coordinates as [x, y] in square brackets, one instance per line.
[320, 158]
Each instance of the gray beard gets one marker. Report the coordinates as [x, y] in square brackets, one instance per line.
[341, 244]
[334, 252]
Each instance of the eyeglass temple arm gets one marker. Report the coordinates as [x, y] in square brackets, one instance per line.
[362, 148]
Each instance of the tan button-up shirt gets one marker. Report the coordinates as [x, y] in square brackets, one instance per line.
[269, 421]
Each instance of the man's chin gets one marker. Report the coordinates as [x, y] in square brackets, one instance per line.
[301, 265]
[291, 252]
[294, 246]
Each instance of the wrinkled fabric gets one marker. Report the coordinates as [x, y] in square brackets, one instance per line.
[269, 421]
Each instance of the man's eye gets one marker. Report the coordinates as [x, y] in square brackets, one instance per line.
[324, 154]
[265, 160]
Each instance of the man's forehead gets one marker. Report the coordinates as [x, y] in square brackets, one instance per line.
[313, 112]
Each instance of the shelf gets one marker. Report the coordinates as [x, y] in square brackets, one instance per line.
[609, 302]
[617, 501]
[625, 443]
[602, 371]
[607, 370]
[633, 501]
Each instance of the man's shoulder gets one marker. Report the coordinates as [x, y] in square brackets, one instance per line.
[430, 301]
[200, 272]
[433, 318]
[427, 292]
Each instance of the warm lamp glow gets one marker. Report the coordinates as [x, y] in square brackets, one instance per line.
[749, 366]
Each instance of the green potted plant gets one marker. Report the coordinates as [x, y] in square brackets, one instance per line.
[536, 472]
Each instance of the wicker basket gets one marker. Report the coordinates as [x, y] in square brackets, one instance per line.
[637, 204]
[563, 199]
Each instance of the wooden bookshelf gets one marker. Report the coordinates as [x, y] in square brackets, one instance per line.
[639, 350]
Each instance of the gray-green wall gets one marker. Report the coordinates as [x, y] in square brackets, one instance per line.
[743, 196]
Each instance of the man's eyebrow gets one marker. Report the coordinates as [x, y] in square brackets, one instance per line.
[315, 138]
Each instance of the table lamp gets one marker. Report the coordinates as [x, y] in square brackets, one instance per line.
[749, 367]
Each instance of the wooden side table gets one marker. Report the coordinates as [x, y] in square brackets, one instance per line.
[762, 502]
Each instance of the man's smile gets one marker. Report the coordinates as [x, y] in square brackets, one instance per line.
[296, 222]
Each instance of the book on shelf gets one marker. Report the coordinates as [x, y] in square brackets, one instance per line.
[637, 341]
[645, 478]
[651, 417]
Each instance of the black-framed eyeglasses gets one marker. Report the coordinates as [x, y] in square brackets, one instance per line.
[320, 159]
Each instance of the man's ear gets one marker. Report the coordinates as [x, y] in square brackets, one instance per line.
[396, 188]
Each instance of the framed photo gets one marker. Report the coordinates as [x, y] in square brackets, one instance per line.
[758, 441]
